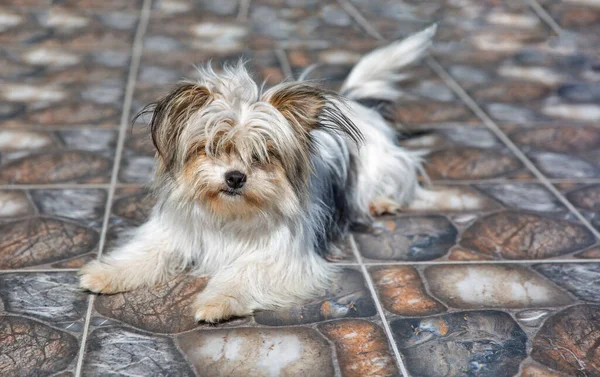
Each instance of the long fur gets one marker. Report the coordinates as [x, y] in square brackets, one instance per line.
[312, 162]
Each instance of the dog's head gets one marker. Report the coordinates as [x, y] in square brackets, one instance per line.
[223, 144]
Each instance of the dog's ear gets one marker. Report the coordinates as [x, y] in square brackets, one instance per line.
[307, 107]
[170, 115]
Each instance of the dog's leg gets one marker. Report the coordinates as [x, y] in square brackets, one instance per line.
[146, 260]
[252, 285]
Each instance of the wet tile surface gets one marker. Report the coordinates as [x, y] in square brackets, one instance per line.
[491, 273]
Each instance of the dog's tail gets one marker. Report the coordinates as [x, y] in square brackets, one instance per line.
[375, 75]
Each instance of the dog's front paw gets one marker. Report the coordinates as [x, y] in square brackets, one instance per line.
[383, 206]
[216, 308]
[99, 277]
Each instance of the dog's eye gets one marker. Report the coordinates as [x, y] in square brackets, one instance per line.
[256, 158]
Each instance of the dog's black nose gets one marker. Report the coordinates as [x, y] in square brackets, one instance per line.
[235, 179]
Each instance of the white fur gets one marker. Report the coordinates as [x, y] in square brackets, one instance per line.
[268, 260]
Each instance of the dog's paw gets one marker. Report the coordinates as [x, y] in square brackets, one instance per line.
[217, 308]
[382, 206]
[99, 277]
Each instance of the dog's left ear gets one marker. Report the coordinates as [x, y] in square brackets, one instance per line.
[307, 107]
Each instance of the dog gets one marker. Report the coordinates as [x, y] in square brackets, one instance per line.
[254, 188]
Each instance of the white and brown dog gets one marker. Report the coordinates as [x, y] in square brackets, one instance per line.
[253, 188]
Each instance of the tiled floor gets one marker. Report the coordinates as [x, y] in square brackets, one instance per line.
[508, 104]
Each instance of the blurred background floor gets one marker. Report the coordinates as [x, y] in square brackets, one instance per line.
[508, 103]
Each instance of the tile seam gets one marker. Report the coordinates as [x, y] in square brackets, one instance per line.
[136, 55]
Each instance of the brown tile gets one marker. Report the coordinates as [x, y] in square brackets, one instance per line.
[29, 347]
[162, 309]
[38, 241]
[361, 347]
[568, 341]
[57, 157]
[470, 163]
[402, 292]
[459, 254]
[520, 236]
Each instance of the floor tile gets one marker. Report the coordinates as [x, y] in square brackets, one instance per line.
[303, 24]
[50, 228]
[489, 319]
[53, 87]
[41, 323]
[57, 157]
[301, 340]
[504, 221]
[569, 151]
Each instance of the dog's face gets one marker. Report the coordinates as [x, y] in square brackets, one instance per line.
[236, 151]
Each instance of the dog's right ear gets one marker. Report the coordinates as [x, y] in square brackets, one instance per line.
[170, 115]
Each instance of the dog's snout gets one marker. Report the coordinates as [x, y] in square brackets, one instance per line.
[235, 179]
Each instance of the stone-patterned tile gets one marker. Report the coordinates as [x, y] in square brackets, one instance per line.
[587, 200]
[70, 28]
[492, 286]
[402, 292]
[56, 157]
[361, 347]
[522, 236]
[524, 196]
[48, 228]
[130, 208]
[493, 313]
[406, 238]
[258, 351]
[116, 350]
[483, 343]
[579, 18]
[568, 341]
[504, 55]
[487, 221]
[55, 87]
[29, 347]
[51, 297]
[348, 297]
[41, 323]
[162, 309]
[561, 151]
[303, 24]
[471, 163]
[459, 152]
[579, 279]
[105, 5]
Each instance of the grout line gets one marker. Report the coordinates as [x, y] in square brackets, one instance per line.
[499, 262]
[497, 181]
[38, 270]
[386, 325]
[544, 16]
[360, 19]
[136, 56]
[464, 96]
[63, 186]
[285, 64]
[244, 8]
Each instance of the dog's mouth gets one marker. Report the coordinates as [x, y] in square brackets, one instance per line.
[231, 192]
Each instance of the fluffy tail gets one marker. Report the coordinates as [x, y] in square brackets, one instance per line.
[374, 76]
